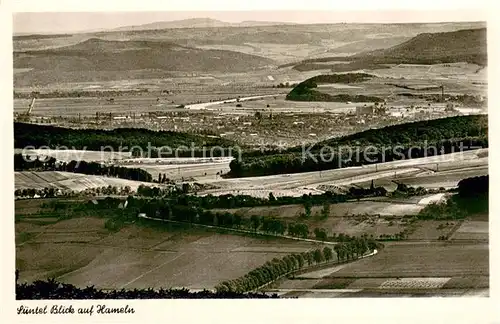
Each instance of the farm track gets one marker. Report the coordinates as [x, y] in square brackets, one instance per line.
[72, 181]
[151, 270]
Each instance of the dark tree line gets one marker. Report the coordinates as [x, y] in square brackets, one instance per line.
[26, 135]
[284, 85]
[304, 90]
[435, 130]
[473, 187]
[52, 289]
[27, 163]
[297, 163]
[298, 229]
[465, 99]
[184, 210]
[355, 248]
[230, 201]
[78, 94]
[50, 192]
[32, 192]
[441, 130]
[472, 199]
[22, 163]
[169, 210]
[397, 142]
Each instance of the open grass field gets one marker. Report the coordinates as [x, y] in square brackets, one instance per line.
[196, 171]
[82, 252]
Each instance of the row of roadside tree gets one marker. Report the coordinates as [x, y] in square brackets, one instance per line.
[277, 268]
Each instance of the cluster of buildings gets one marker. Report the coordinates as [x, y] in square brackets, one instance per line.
[255, 127]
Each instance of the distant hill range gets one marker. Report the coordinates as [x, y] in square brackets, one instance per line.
[196, 23]
[428, 48]
[369, 44]
[468, 45]
[102, 55]
[109, 56]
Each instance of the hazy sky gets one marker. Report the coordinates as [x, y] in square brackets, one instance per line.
[60, 22]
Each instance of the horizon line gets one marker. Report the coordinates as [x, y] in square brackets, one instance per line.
[271, 24]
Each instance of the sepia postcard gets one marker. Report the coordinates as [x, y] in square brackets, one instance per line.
[278, 155]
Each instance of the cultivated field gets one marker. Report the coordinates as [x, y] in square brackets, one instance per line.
[173, 168]
[410, 259]
[431, 172]
[69, 181]
[375, 218]
[471, 230]
[233, 83]
[402, 269]
[129, 104]
[431, 230]
[426, 172]
[82, 252]
[456, 78]
[178, 169]
[381, 207]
